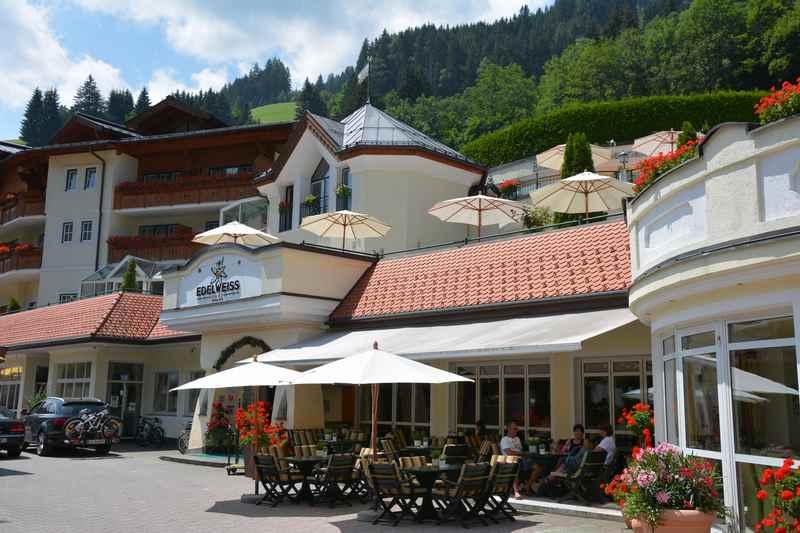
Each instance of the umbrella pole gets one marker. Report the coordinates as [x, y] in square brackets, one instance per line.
[480, 217]
[586, 205]
[374, 439]
[255, 440]
[344, 231]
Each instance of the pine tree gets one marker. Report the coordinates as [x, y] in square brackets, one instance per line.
[31, 128]
[583, 155]
[120, 105]
[310, 99]
[569, 157]
[53, 115]
[129, 278]
[142, 102]
[88, 99]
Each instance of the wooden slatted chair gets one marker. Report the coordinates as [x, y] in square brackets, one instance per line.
[334, 482]
[456, 453]
[389, 449]
[390, 487]
[466, 498]
[501, 484]
[486, 451]
[583, 484]
[279, 483]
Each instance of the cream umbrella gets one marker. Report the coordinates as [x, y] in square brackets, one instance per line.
[235, 232]
[583, 193]
[479, 210]
[374, 367]
[344, 224]
[246, 375]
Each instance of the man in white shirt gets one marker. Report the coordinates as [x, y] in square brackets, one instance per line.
[510, 444]
[607, 443]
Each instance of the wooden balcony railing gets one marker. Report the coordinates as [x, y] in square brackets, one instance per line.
[186, 190]
[154, 249]
[21, 260]
[22, 204]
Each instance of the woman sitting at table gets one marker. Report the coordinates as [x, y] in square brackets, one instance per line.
[550, 487]
[575, 443]
[511, 445]
[572, 446]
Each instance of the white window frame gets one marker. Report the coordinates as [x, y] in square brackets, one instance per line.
[67, 297]
[188, 408]
[86, 183]
[156, 393]
[412, 426]
[67, 230]
[71, 180]
[87, 381]
[86, 230]
[10, 389]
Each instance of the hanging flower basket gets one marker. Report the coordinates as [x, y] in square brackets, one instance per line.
[343, 191]
[284, 206]
[310, 200]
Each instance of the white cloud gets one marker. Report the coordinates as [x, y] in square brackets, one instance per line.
[163, 82]
[32, 56]
[313, 37]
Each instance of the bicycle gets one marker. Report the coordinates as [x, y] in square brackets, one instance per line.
[149, 432]
[99, 428]
[183, 439]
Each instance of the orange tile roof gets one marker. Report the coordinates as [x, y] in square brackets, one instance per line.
[570, 262]
[115, 317]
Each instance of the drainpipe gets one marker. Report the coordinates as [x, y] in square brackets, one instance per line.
[99, 210]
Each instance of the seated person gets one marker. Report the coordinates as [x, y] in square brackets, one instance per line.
[574, 444]
[510, 444]
[573, 461]
[607, 443]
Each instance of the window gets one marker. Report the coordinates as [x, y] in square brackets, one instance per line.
[403, 406]
[285, 209]
[157, 287]
[66, 232]
[10, 383]
[465, 397]
[72, 179]
[702, 402]
[251, 213]
[86, 230]
[165, 401]
[539, 396]
[161, 177]
[211, 224]
[489, 395]
[90, 178]
[74, 380]
[40, 383]
[343, 202]
[230, 170]
[158, 230]
[66, 297]
[671, 397]
[194, 394]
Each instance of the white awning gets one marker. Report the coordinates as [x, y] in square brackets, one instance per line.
[513, 336]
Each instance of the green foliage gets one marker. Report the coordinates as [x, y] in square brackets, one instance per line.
[687, 133]
[129, 278]
[142, 102]
[577, 155]
[120, 105]
[310, 99]
[31, 129]
[35, 398]
[537, 217]
[88, 99]
[53, 115]
[271, 113]
[622, 120]
[13, 306]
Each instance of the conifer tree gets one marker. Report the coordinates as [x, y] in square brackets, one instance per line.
[120, 105]
[52, 115]
[31, 129]
[310, 99]
[88, 99]
[569, 157]
[142, 102]
[583, 155]
[129, 278]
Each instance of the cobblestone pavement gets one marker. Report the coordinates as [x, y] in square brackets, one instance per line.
[76, 492]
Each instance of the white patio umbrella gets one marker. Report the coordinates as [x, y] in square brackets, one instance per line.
[583, 193]
[345, 224]
[247, 375]
[235, 232]
[479, 210]
[374, 367]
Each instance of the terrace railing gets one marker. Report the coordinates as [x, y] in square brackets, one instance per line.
[185, 190]
[30, 258]
[22, 204]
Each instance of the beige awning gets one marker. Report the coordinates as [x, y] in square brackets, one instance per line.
[512, 336]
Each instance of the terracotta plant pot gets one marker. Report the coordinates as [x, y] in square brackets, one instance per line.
[677, 521]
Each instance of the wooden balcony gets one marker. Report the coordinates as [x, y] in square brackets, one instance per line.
[164, 249]
[30, 259]
[186, 190]
[21, 204]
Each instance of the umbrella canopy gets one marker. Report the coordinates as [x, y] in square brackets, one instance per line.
[478, 210]
[583, 193]
[345, 224]
[375, 367]
[235, 232]
[247, 375]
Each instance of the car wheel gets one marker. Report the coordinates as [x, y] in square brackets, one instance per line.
[102, 450]
[13, 451]
[43, 448]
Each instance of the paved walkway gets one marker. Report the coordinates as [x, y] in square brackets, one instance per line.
[134, 491]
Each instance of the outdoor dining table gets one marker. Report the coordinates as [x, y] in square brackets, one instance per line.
[427, 476]
[423, 451]
[306, 466]
[336, 446]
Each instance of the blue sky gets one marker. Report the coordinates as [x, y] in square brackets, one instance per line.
[195, 44]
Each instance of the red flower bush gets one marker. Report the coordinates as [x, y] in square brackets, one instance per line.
[779, 103]
[255, 427]
[4, 249]
[640, 421]
[656, 165]
[21, 247]
[782, 487]
[510, 184]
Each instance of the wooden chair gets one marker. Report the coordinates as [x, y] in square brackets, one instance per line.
[501, 484]
[360, 486]
[499, 459]
[389, 449]
[456, 453]
[486, 451]
[334, 482]
[465, 499]
[390, 487]
[584, 484]
[278, 483]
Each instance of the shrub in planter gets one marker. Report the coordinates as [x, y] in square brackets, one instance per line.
[662, 488]
[255, 427]
[654, 166]
[782, 487]
[216, 438]
[779, 104]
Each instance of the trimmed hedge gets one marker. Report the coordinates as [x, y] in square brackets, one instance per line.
[623, 120]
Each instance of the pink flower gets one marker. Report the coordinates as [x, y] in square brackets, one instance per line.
[662, 497]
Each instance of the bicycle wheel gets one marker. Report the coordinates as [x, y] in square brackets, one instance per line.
[112, 428]
[183, 442]
[157, 437]
[72, 429]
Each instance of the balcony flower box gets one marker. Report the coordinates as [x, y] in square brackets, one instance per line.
[185, 190]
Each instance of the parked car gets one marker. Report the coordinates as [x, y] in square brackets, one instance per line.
[12, 433]
[44, 424]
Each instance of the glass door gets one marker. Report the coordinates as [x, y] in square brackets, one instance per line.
[125, 383]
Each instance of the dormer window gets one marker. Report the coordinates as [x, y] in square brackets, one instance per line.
[317, 200]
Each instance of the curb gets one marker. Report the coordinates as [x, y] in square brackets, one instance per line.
[189, 461]
[578, 511]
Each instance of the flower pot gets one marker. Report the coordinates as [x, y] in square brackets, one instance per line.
[677, 521]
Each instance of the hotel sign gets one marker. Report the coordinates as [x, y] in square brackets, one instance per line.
[221, 279]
